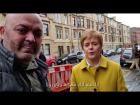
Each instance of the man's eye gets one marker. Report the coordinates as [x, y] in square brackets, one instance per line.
[37, 33]
[22, 31]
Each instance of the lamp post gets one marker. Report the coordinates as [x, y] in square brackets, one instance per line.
[79, 35]
[71, 39]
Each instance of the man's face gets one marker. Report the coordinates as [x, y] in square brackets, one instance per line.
[92, 48]
[23, 36]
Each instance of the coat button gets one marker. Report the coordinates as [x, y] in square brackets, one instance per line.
[95, 90]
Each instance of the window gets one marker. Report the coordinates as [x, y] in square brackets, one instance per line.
[113, 38]
[109, 29]
[101, 29]
[114, 30]
[104, 19]
[68, 49]
[58, 18]
[65, 19]
[79, 35]
[78, 22]
[66, 33]
[61, 51]
[97, 24]
[105, 28]
[74, 21]
[45, 29]
[120, 39]
[88, 23]
[43, 14]
[59, 32]
[82, 22]
[47, 49]
[75, 34]
[110, 38]
[105, 37]
[92, 24]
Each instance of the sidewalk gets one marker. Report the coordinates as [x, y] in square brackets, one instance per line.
[132, 79]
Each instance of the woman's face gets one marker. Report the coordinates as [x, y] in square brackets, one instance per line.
[92, 48]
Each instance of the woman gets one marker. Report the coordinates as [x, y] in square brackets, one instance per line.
[95, 72]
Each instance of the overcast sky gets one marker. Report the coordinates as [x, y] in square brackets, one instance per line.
[132, 20]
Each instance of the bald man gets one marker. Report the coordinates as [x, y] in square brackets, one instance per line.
[21, 41]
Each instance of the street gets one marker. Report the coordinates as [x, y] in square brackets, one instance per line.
[132, 77]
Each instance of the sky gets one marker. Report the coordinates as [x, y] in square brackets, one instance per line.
[132, 20]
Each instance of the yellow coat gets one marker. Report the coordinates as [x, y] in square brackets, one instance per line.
[107, 77]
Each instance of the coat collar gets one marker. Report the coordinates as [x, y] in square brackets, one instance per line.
[11, 58]
[103, 63]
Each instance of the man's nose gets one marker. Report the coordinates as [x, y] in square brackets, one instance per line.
[30, 37]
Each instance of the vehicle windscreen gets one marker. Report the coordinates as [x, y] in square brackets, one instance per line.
[127, 51]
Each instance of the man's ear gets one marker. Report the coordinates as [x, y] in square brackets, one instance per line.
[2, 29]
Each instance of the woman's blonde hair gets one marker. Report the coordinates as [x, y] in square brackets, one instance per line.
[91, 34]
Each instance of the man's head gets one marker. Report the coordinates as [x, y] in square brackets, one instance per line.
[23, 35]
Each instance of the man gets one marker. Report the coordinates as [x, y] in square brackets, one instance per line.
[96, 72]
[21, 41]
[135, 56]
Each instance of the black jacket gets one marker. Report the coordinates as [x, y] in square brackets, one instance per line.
[10, 70]
[136, 53]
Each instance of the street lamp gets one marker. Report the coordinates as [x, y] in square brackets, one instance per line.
[79, 35]
[71, 39]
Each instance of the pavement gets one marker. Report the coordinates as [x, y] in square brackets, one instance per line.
[132, 79]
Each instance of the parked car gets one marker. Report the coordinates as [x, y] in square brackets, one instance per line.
[80, 55]
[62, 60]
[72, 58]
[50, 60]
[120, 50]
[113, 51]
[108, 53]
[126, 56]
[105, 53]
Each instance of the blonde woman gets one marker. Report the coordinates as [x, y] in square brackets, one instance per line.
[96, 72]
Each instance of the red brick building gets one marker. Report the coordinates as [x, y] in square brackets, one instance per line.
[135, 35]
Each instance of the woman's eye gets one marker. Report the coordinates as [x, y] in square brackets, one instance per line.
[86, 45]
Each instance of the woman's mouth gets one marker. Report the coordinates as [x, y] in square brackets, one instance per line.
[91, 53]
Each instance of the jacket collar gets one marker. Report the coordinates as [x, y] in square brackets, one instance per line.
[7, 54]
[103, 63]
[11, 58]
